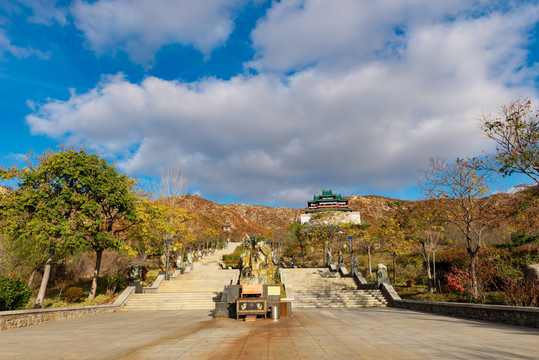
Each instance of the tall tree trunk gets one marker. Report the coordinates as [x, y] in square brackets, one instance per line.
[434, 268]
[31, 278]
[303, 254]
[430, 281]
[394, 268]
[324, 257]
[44, 281]
[93, 290]
[473, 273]
[370, 260]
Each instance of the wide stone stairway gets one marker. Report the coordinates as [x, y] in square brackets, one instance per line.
[197, 289]
[319, 288]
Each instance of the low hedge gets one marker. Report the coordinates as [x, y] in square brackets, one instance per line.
[14, 292]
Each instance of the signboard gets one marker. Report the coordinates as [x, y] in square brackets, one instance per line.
[274, 290]
[251, 307]
[252, 289]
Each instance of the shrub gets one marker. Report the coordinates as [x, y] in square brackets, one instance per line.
[446, 259]
[14, 292]
[232, 257]
[115, 281]
[73, 294]
[522, 293]
[457, 280]
[410, 283]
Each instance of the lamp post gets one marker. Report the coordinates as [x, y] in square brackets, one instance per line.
[350, 238]
[168, 242]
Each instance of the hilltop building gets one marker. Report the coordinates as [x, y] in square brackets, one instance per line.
[328, 201]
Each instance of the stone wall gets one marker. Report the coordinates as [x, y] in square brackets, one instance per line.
[20, 318]
[512, 315]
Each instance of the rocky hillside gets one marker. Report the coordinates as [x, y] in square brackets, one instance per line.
[258, 219]
[244, 219]
[519, 211]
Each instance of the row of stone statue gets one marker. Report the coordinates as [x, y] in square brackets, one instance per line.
[190, 258]
[329, 261]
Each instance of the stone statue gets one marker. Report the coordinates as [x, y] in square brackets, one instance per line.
[341, 259]
[135, 277]
[257, 266]
[293, 264]
[136, 273]
[329, 258]
[163, 260]
[381, 274]
[355, 264]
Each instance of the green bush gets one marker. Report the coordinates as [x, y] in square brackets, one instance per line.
[73, 294]
[232, 257]
[14, 292]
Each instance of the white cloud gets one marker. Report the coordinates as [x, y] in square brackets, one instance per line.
[45, 12]
[372, 123]
[299, 33]
[6, 47]
[142, 27]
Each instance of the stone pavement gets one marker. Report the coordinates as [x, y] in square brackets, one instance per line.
[365, 333]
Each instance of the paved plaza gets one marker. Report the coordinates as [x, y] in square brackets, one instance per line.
[370, 333]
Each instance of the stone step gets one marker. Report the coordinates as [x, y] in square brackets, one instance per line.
[338, 298]
[172, 301]
[336, 305]
[182, 286]
[333, 301]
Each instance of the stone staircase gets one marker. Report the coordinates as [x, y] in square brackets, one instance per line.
[197, 289]
[317, 288]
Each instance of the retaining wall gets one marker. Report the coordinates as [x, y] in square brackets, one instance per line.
[512, 315]
[20, 318]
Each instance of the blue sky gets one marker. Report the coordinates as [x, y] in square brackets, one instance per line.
[264, 102]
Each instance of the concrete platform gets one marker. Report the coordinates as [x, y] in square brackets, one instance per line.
[366, 333]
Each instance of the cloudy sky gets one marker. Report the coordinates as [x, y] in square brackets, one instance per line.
[264, 102]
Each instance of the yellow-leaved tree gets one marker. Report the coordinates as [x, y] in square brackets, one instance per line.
[462, 189]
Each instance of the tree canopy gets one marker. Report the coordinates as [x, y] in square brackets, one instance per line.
[68, 200]
[515, 130]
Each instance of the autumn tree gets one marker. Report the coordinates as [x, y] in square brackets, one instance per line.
[167, 191]
[155, 221]
[427, 233]
[369, 242]
[300, 234]
[325, 227]
[354, 232]
[393, 239]
[462, 190]
[515, 131]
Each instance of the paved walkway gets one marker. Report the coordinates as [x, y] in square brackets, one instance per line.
[371, 333]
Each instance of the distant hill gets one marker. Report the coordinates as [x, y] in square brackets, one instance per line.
[258, 219]
[519, 211]
[244, 219]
